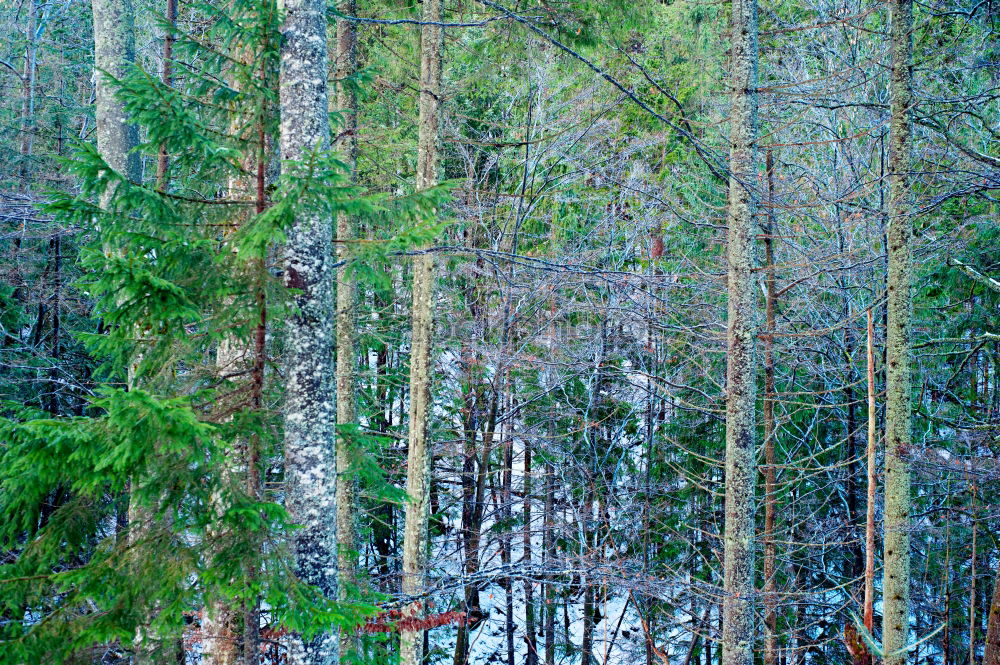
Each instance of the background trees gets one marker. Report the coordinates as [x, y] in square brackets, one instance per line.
[577, 408]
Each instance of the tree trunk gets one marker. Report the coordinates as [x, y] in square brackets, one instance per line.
[991, 656]
[114, 53]
[870, 514]
[170, 16]
[345, 66]
[310, 473]
[530, 639]
[28, 92]
[739, 629]
[419, 454]
[506, 514]
[549, 547]
[770, 486]
[896, 583]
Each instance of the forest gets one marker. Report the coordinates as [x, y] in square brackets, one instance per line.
[499, 332]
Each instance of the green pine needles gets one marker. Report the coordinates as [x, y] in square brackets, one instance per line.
[165, 491]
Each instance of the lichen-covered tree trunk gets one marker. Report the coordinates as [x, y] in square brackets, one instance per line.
[345, 66]
[310, 410]
[739, 630]
[419, 453]
[114, 53]
[896, 559]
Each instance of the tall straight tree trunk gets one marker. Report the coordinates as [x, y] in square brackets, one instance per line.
[530, 639]
[419, 453]
[114, 53]
[345, 66]
[167, 76]
[228, 628]
[310, 473]
[896, 560]
[28, 92]
[870, 498]
[549, 547]
[506, 514]
[770, 484]
[739, 626]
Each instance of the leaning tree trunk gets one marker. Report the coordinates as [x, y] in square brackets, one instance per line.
[739, 630]
[419, 453]
[310, 398]
[896, 582]
[346, 64]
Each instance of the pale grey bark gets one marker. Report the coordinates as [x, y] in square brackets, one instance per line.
[346, 104]
[310, 412]
[114, 53]
[896, 560]
[739, 625]
[419, 453]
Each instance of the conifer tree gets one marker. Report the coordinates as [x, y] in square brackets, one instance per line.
[739, 624]
[346, 335]
[419, 454]
[898, 412]
[310, 412]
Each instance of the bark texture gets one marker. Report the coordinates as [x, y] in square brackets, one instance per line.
[896, 582]
[346, 104]
[991, 656]
[770, 475]
[870, 497]
[114, 53]
[419, 453]
[739, 625]
[310, 412]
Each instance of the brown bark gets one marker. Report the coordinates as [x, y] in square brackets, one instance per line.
[345, 65]
[170, 15]
[991, 655]
[869, 611]
[419, 453]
